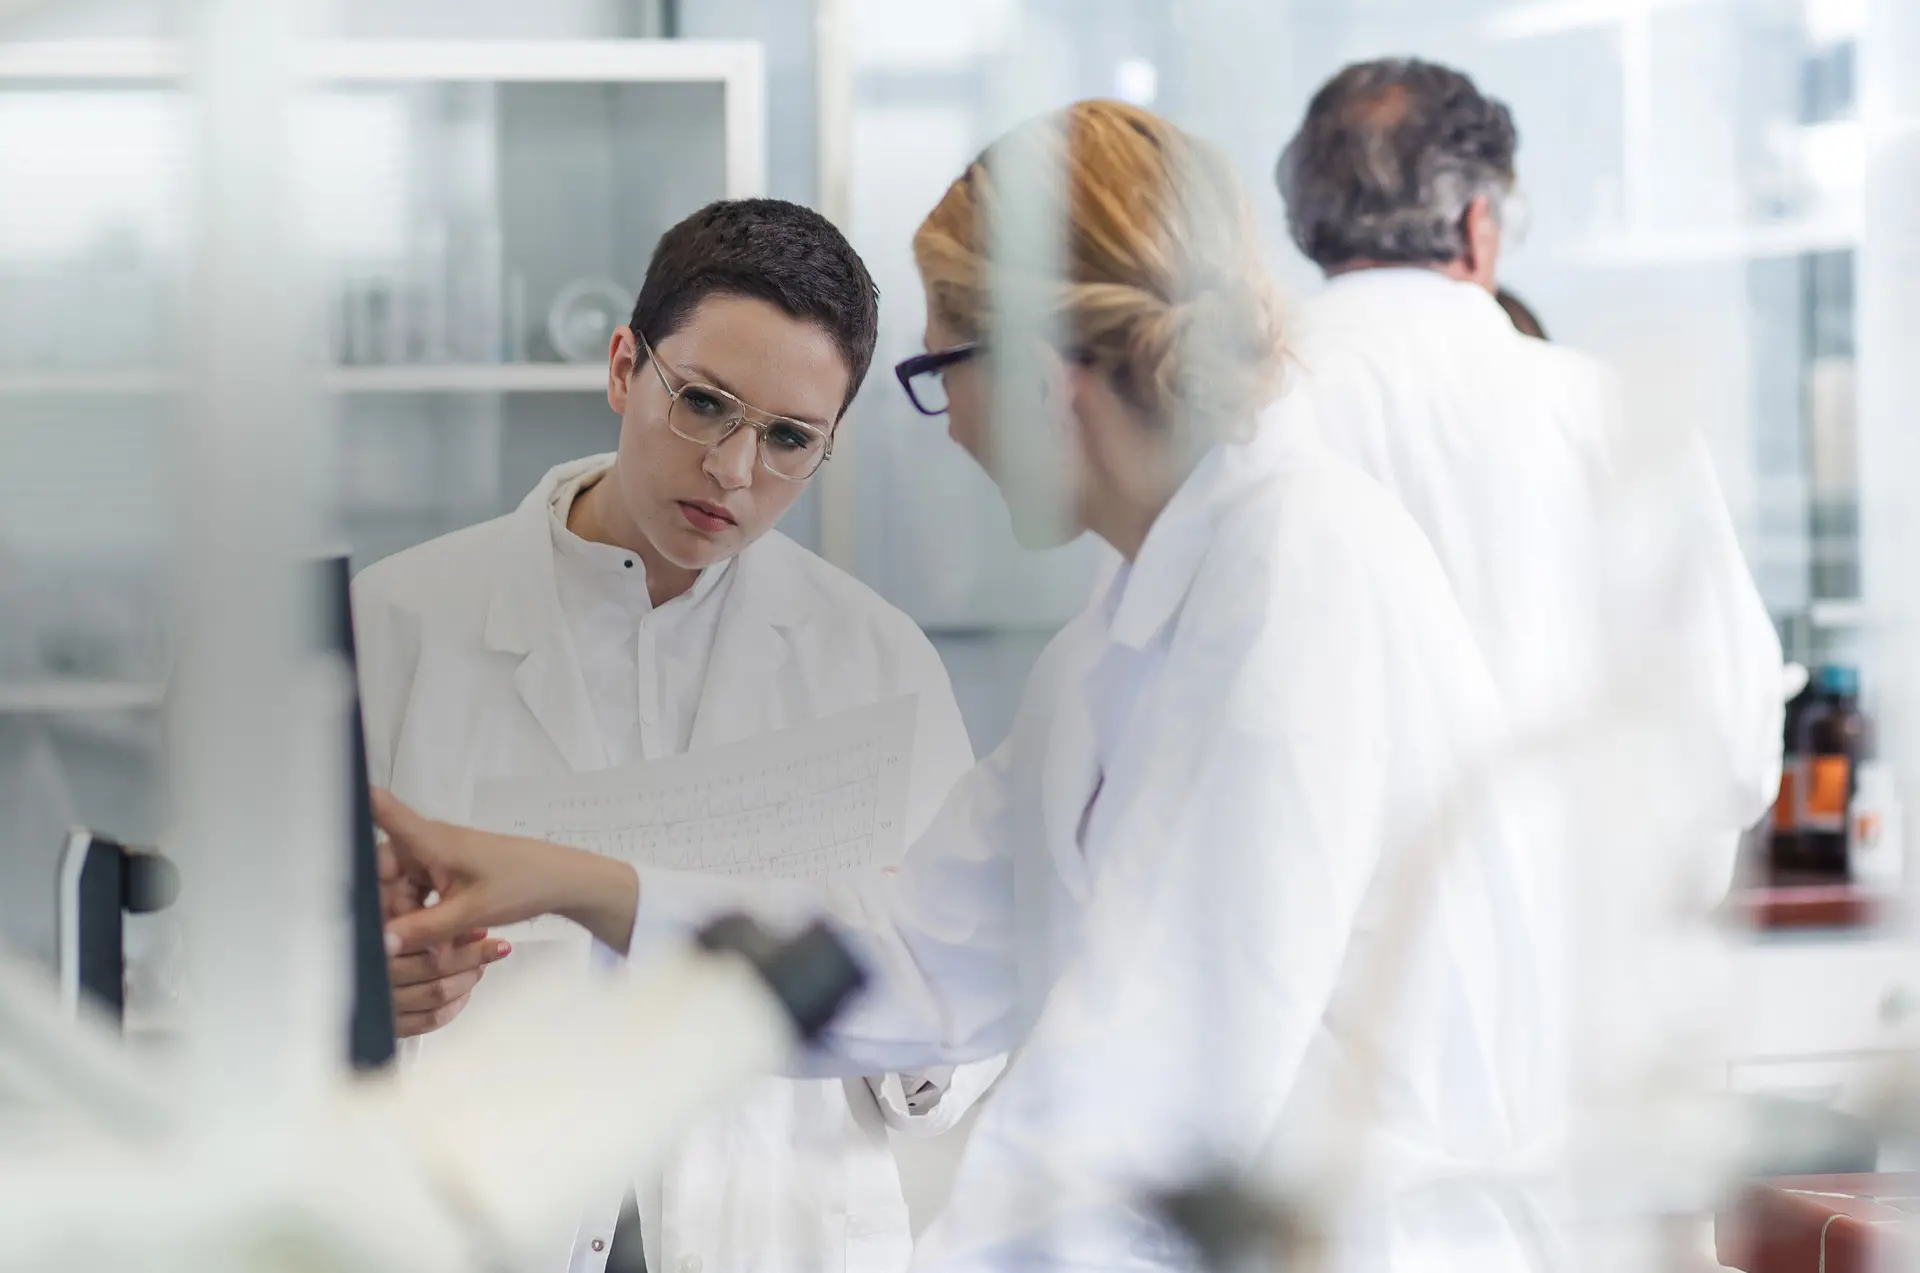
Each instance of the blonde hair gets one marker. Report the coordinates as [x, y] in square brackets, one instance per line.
[1164, 288]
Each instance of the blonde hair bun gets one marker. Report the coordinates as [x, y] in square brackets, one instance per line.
[1164, 286]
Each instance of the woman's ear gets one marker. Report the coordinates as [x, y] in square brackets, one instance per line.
[622, 354]
[1059, 390]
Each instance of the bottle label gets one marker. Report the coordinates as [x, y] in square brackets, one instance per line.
[1876, 851]
[1823, 794]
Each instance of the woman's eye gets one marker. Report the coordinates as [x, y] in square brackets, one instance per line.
[706, 404]
[791, 438]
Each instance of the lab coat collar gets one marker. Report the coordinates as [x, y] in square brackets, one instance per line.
[767, 601]
[1150, 592]
[1397, 284]
[524, 618]
[766, 604]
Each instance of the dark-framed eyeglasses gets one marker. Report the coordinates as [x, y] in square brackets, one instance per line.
[790, 449]
[923, 376]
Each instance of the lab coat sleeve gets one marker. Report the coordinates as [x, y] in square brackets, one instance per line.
[935, 936]
[1713, 657]
[926, 1103]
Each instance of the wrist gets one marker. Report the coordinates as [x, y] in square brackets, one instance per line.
[601, 895]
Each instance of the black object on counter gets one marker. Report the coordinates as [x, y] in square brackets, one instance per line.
[102, 881]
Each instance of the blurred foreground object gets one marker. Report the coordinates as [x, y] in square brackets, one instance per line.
[101, 882]
[460, 1174]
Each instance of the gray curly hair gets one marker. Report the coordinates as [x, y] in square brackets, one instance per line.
[1387, 160]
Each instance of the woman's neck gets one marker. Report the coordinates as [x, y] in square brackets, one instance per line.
[1123, 511]
[1125, 526]
[597, 518]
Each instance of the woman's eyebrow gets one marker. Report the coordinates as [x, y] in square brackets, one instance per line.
[699, 372]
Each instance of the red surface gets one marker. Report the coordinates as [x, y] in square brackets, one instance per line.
[1837, 905]
[1781, 1226]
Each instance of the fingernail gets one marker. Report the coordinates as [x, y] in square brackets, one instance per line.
[393, 942]
[501, 950]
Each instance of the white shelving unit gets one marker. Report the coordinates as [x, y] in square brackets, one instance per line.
[562, 160]
[737, 66]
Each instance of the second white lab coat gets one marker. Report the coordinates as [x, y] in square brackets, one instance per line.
[467, 673]
[1591, 552]
[1193, 888]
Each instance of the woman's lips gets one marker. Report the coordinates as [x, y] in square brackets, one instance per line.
[709, 519]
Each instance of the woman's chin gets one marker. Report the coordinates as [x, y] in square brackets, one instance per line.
[690, 549]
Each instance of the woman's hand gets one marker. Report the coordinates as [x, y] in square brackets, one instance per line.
[430, 988]
[485, 880]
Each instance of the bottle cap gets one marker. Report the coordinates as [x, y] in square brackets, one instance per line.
[1840, 680]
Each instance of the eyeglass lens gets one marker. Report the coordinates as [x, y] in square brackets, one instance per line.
[930, 391]
[706, 415]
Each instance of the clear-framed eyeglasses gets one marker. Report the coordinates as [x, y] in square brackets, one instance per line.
[792, 450]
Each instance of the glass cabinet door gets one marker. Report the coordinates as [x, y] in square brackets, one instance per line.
[480, 218]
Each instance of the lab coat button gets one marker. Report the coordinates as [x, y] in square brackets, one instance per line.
[690, 1264]
[598, 1245]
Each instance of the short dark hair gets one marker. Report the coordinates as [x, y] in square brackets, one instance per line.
[1387, 160]
[769, 250]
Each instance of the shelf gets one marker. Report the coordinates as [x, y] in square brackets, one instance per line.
[471, 378]
[63, 696]
[1836, 613]
[87, 384]
[404, 61]
[1555, 17]
[404, 378]
[738, 66]
[1732, 244]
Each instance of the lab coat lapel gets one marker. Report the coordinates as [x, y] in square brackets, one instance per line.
[1069, 775]
[749, 688]
[524, 618]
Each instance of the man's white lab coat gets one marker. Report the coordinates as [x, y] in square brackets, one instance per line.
[467, 673]
[1194, 887]
[1592, 553]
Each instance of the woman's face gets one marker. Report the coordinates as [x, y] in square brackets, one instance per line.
[967, 395]
[699, 505]
[1034, 461]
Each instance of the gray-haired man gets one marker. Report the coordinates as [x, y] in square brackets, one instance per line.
[1592, 552]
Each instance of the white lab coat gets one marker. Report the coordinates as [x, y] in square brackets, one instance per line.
[467, 673]
[1177, 883]
[1591, 552]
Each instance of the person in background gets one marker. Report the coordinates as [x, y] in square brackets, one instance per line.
[1203, 887]
[1524, 320]
[640, 605]
[1514, 456]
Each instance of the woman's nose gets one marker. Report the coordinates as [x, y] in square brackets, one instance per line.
[730, 462]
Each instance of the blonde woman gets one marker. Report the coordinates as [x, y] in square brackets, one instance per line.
[1167, 889]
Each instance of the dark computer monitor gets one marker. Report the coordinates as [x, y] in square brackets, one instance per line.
[371, 1042]
[102, 880]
